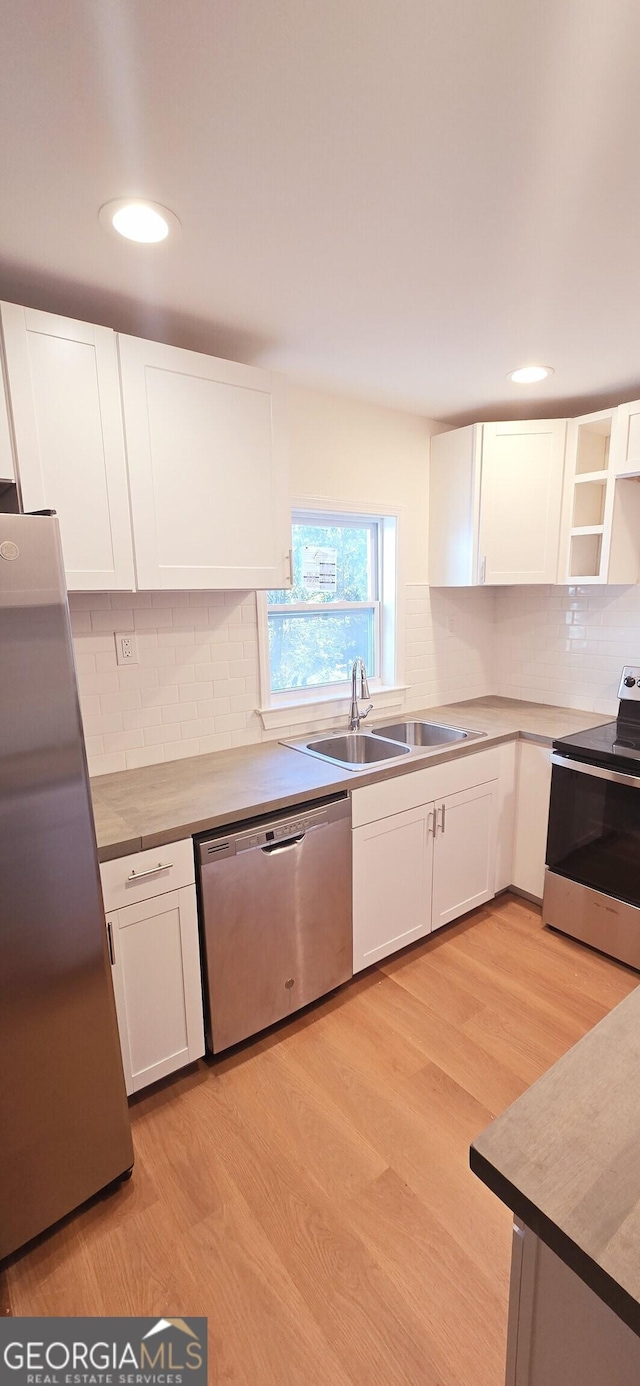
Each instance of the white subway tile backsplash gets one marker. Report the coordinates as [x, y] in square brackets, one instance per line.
[141, 717]
[566, 645]
[195, 688]
[144, 755]
[108, 764]
[122, 740]
[179, 712]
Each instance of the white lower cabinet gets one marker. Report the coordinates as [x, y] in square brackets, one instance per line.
[155, 958]
[464, 856]
[392, 864]
[417, 867]
[534, 789]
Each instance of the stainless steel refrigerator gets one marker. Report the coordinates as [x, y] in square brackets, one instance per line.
[64, 1126]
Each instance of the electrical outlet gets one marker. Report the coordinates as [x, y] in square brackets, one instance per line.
[126, 648]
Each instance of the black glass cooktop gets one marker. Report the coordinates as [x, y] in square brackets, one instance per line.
[612, 744]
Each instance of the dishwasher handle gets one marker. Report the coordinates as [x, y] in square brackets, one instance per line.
[272, 847]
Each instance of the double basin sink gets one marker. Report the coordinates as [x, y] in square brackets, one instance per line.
[355, 750]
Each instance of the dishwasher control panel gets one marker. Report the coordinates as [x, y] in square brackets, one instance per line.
[266, 834]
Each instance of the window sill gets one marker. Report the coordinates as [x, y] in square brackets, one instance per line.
[328, 709]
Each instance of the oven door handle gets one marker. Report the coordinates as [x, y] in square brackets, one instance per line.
[598, 772]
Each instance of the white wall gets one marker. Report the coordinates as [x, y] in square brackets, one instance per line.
[196, 686]
[353, 451]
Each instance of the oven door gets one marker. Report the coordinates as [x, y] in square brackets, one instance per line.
[594, 827]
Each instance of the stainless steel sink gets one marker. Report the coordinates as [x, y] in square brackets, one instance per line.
[356, 748]
[421, 733]
[353, 749]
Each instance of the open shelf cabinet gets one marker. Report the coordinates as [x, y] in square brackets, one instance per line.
[600, 540]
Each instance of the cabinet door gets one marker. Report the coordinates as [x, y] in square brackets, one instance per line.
[392, 861]
[625, 442]
[205, 445]
[65, 402]
[454, 507]
[464, 853]
[7, 465]
[156, 980]
[534, 789]
[521, 497]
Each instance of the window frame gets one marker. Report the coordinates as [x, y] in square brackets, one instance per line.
[374, 526]
[326, 701]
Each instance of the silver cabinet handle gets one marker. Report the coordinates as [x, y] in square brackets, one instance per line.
[151, 871]
[431, 823]
[112, 955]
[483, 569]
[443, 809]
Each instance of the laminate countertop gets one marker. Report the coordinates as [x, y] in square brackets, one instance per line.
[137, 809]
[565, 1157]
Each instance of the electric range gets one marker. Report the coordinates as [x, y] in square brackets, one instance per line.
[592, 877]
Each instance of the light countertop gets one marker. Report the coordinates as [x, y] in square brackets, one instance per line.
[136, 809]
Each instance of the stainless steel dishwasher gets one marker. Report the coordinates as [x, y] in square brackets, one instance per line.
[275, 899]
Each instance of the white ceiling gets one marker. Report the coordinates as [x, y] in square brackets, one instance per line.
[401, 199]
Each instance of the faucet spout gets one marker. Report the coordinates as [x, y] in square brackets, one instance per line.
[359, 689]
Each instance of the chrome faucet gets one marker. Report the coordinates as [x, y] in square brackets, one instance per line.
[355, 715]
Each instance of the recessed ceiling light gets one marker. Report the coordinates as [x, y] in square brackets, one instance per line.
[137, 220]
[529, 375]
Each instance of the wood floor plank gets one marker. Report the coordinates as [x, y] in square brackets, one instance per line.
[409, 1136]
[438, 1280]
[494, 1082]
[310, 1192]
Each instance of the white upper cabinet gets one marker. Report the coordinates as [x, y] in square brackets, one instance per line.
[520, 501]
[207, 466]
[495, 503]
[7, 465]
[454, 507]
[64, 393]
[626, 455]
[600, 538]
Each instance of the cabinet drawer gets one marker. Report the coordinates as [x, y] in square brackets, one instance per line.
[145, 874]
[405, 792]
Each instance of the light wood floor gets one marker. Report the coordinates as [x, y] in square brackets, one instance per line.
[311, 1193]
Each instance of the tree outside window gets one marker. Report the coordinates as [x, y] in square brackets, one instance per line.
[331, 613]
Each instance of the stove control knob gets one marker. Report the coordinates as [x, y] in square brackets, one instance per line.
[629, 682]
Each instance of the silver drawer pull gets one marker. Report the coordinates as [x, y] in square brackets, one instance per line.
[151, 871]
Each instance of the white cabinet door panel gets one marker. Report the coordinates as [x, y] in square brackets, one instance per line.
[391, 884]
[156, 978]
[206, 452]
[65, 401]
[521, 497]
[7, 464]
[464, 854]
[534, 790]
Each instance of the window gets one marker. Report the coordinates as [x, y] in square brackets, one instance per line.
[341, 604]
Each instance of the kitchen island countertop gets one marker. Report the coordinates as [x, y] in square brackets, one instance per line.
[565, 1157]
